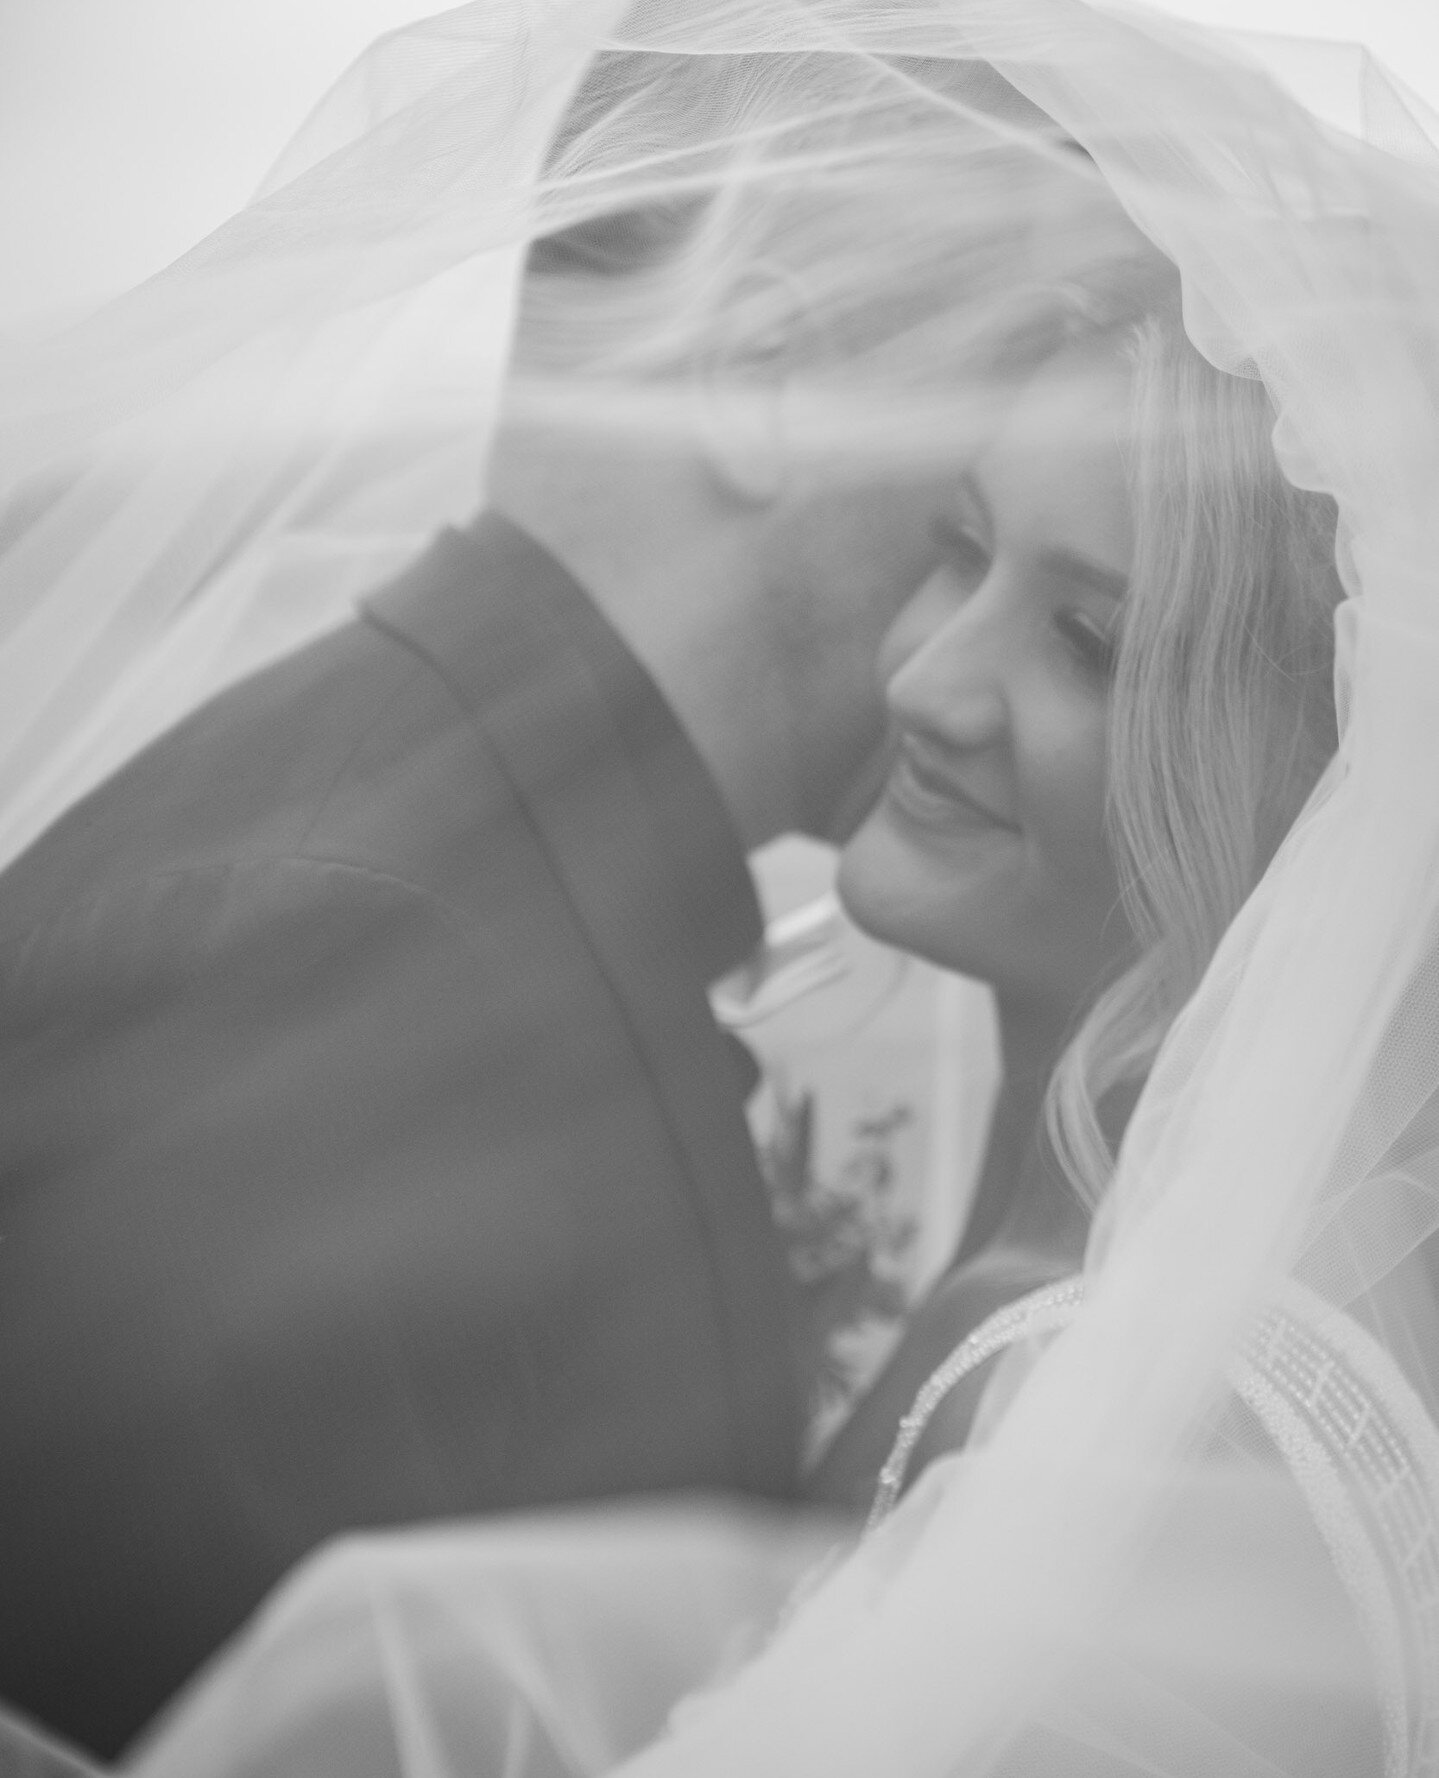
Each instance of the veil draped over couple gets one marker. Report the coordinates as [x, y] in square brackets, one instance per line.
[1130, 358]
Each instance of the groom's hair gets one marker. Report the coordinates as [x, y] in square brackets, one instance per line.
[839, 212]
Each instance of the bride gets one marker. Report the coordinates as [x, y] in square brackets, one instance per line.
[1164, 714]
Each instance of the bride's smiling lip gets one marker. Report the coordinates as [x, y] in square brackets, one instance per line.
[924, 788]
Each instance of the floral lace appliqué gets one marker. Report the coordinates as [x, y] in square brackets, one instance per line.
[850, 1239]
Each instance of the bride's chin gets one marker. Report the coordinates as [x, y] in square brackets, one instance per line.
[899, 896]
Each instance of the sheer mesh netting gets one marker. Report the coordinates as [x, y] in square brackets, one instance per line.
[1196, 1531]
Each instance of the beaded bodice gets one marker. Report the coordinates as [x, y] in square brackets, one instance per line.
[1364, 1455]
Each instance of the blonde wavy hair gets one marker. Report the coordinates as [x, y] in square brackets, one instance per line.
[1221, 716]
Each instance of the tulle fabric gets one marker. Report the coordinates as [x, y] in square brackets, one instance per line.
[544, 1647]
[321, 376]
[207, 473]
[701, 1637]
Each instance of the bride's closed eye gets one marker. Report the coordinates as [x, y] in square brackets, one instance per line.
[1093, 644]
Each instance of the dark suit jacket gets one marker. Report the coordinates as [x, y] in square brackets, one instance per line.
[369, 1153]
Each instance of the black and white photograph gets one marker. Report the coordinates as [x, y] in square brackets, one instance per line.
[719, 889]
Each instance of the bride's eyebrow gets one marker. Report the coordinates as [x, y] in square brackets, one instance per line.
[1091, 574]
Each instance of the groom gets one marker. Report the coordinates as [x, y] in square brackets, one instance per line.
[370, 1154]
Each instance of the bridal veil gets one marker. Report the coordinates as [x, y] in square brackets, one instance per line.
[201, 475]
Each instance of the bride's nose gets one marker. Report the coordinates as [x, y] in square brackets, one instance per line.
[951, 683]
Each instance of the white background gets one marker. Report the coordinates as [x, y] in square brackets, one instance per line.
[128, 128]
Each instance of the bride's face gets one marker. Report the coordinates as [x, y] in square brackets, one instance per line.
[986, 851]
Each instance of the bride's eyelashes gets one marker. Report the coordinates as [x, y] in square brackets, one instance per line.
[1094, 646]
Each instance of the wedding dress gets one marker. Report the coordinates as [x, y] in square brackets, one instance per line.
[1194, 1530]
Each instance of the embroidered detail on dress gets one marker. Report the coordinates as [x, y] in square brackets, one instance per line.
[1364, 1454]
[1043, 1311]
[1362, 1420]
[1350, 1550]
